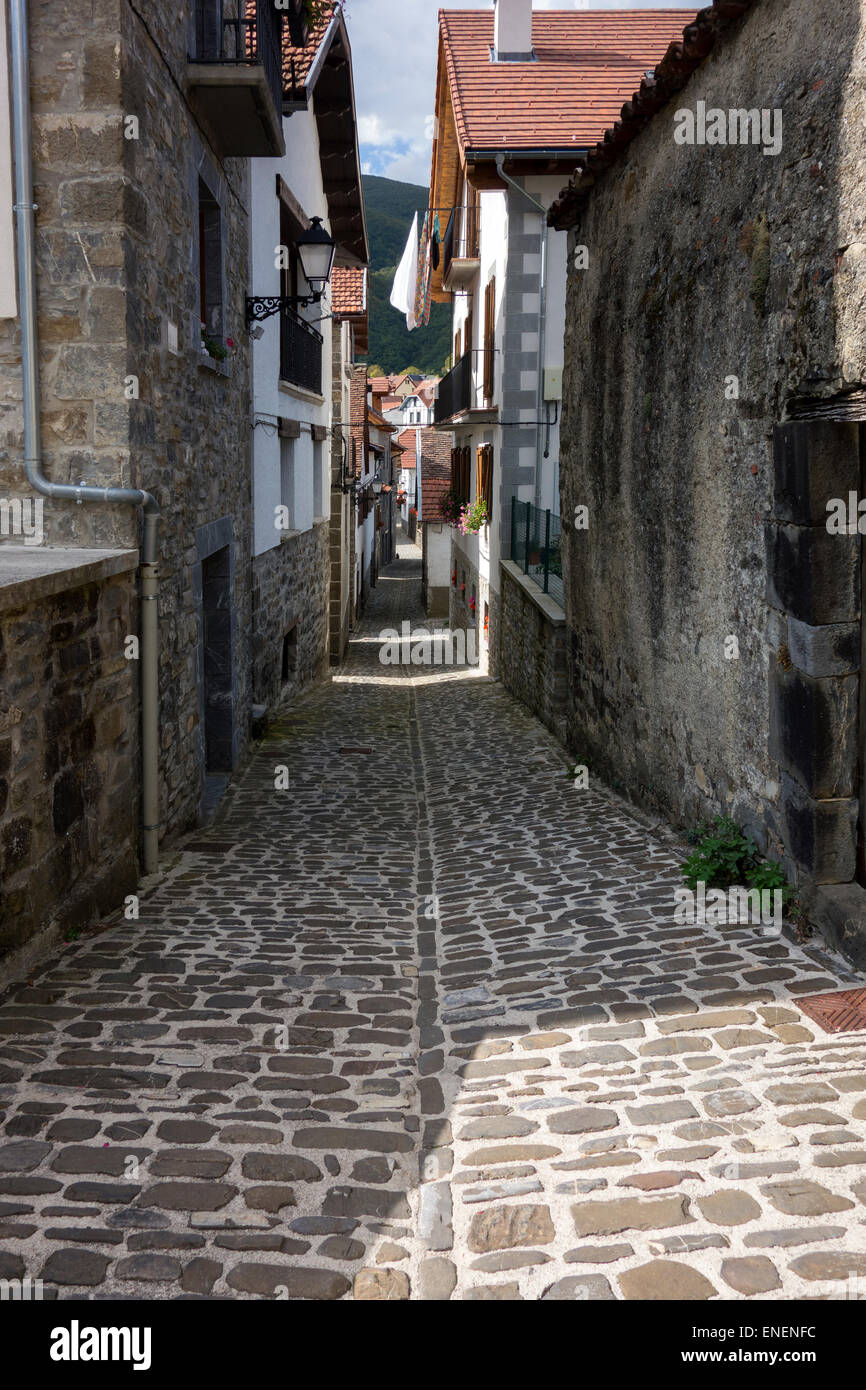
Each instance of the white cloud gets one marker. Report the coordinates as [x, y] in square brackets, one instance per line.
[394, 59]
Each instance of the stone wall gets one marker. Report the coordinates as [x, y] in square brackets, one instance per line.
[290, 599]
[533, 637]
[69, 780]
[708, 264]
[118, 272]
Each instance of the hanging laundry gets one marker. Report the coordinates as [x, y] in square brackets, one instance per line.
[423, 276]
[404, 288]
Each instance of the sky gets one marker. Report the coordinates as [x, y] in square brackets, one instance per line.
[394, 61]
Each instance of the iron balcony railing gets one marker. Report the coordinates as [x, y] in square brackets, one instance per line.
[454, 392]
[461, 388]
[536, 547]
[461, 237]
[300, 352]
[238, 32]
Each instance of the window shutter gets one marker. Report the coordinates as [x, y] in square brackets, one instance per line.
[489, 337]
[484, 475]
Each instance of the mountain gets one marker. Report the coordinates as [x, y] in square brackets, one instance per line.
[390, 207]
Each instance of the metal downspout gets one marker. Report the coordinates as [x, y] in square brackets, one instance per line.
[542, 319]
[135, 497]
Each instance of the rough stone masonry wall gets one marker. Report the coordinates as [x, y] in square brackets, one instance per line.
[68, 760]
[290, 590]
[533, 635]
[190, 432]
[705, 263]
[117, 230]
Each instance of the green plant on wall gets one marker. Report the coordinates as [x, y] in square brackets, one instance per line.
[725, 856]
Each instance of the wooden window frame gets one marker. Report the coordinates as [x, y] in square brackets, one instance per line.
[210, 261]
[460, 464]
[484, 475]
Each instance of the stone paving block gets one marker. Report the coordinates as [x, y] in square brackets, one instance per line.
[662, 1280]
[751, 1274]
[630, 1214]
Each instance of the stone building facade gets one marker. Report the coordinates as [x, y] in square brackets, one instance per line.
[129, 183]
[533, 633]
[714, 381]
[290, 589]
[68, 742]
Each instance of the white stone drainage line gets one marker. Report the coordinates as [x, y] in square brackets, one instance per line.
[542, 319]
[134, 497]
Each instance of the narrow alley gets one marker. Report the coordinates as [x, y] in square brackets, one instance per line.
[441, 1042]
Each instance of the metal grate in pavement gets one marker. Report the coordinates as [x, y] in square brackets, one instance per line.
[843, 1011]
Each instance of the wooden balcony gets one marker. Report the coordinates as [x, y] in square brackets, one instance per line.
[460, 249]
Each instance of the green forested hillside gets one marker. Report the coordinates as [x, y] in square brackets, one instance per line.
[390, 208]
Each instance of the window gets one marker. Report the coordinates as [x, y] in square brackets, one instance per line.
[287, 479]
[210, 257]
[460, 473]
[484, 475]
[489, 338]
[290, 272]
[320, 497]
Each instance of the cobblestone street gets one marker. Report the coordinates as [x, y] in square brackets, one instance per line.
[437, 1039]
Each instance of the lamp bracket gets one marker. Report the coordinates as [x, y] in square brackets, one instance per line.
[262, 306]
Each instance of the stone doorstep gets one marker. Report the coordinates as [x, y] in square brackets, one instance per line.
[838, 911]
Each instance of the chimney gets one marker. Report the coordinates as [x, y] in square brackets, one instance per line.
[512, 31]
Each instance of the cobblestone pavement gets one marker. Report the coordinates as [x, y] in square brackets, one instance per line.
[421, 1025]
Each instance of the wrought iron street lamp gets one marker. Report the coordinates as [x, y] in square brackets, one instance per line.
[316, 251]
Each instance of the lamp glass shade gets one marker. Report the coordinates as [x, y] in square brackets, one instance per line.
[377, 486]
[317, 251]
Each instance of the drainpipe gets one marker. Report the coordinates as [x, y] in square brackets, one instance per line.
[134, 497]
[542, 319]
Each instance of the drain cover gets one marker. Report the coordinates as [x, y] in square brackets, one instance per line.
[354, 750]
[841, 1012]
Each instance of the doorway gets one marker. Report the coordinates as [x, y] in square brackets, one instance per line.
[217, 664]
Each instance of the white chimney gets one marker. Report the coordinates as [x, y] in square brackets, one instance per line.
[512, 30]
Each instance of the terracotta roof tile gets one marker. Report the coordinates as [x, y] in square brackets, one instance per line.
[348, 291]
[588, 63]
[297, 61]
[432, 492]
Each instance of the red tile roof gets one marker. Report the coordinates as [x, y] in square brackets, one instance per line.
[432, 492]
[588, 62]
[348, 292]
[379, 385]
[298, 61]
[406, 440]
